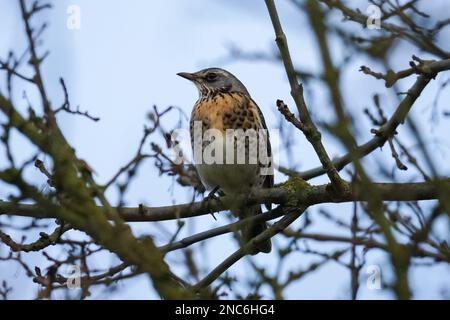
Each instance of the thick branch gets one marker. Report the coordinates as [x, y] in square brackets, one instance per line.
[281, 195]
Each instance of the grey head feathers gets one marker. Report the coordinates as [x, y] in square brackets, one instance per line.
[214, 80]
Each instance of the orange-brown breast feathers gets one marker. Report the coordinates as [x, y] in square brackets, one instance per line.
[227, 111]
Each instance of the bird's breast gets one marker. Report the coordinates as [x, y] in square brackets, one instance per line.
[224, 111]
[221, 112]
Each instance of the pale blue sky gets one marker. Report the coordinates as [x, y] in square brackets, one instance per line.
[124, 59]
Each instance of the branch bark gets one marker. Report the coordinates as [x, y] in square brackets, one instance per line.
[289, 192]
[309, 129]
[386, 131]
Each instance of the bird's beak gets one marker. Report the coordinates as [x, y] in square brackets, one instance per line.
[187, 75]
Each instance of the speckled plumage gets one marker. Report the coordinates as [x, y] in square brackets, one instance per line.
[224, 106]
[230, 110]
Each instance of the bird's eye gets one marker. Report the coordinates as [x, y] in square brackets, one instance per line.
[211, 76]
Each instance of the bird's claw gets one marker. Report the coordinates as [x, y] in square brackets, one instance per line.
[212, 196]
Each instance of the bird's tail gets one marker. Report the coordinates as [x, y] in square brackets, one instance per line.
[251, 230]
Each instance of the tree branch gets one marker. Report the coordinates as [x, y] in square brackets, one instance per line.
[309, 196]
[309, 128]
[385, 131]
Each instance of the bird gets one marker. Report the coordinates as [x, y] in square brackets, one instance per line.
[225, 105]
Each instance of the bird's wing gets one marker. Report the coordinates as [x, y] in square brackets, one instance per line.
[269, 181]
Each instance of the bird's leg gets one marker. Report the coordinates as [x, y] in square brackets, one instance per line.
[249, 195]
[212, 196]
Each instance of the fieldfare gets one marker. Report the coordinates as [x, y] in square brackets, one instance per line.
[225, 121]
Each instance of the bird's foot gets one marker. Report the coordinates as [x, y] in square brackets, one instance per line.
[212, 196]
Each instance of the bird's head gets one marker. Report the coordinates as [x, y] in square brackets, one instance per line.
[214, 80]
